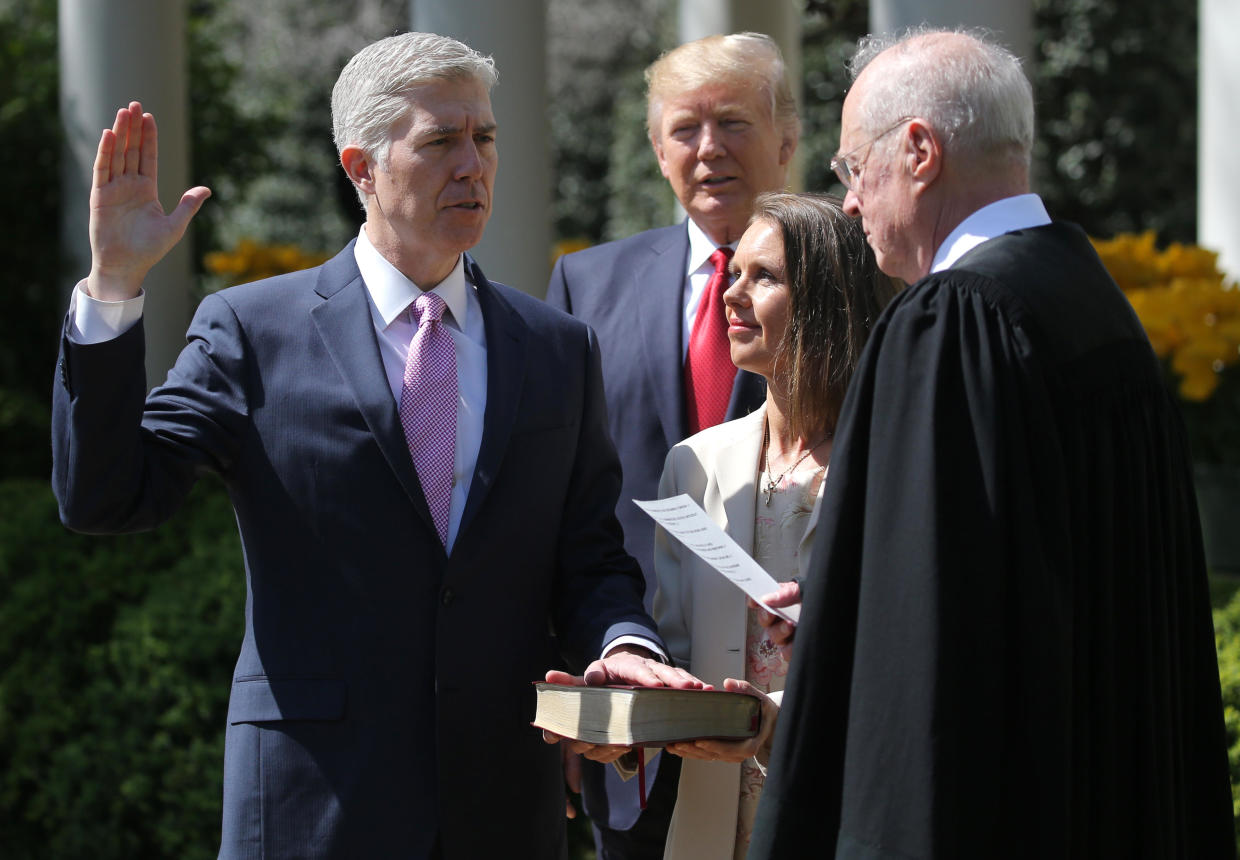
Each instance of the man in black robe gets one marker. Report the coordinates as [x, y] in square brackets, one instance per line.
[1006, 647]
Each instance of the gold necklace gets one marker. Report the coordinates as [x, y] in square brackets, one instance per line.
[772, 483]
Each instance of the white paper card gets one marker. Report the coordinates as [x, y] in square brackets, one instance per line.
[685, 520]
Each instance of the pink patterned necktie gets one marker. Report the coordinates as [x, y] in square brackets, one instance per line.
[709, 370]
[428, 406]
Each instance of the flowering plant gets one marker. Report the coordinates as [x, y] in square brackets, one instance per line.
[250, 261]
[1192, 317]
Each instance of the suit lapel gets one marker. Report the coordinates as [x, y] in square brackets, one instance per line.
[658, 294]
[748, 393]
[736, 466]
[506, 360]
[344, 323]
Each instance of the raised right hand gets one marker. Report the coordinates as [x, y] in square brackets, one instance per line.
[129, 232]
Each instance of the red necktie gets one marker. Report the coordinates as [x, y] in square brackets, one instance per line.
[709, 370]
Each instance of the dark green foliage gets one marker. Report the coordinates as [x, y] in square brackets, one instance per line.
[1116, 90]
[30, 140]
[830, 34]
[607, 182]
[1227, 640]
[115, 658]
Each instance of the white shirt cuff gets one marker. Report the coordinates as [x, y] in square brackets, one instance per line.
[95, 321]
[648, 644]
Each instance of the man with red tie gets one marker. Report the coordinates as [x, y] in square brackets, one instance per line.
[724, 127]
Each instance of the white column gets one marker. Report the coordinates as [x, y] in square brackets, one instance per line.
[779, 19]
[517, 246]
[1218, 172]
[110, 54]
[1010, 20]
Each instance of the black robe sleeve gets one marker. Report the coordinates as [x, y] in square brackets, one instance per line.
[1006, 635]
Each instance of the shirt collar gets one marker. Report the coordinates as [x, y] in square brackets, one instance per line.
[701, 247]
[994, 219]
[392, 292]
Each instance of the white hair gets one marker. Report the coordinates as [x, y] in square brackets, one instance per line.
[372, 93]
[969, 88]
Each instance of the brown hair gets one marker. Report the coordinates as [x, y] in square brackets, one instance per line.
[836, 292]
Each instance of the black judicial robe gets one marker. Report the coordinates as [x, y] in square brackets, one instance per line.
[1006, 646]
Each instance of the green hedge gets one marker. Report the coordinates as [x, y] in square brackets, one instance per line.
[115, 659]
[1227, 640]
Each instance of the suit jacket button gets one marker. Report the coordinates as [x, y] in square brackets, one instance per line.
[446, 596]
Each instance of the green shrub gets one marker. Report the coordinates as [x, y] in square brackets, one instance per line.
[115, 659]
[1227, 640]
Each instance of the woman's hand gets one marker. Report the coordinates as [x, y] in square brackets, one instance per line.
[708, 749]
[778, 630]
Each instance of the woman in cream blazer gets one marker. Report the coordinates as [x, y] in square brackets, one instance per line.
[806, 290]
[701, 615]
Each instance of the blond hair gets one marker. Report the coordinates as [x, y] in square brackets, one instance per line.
[740, 59]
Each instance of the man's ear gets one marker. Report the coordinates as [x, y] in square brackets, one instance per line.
[357, 165]
[658, 154]
[923, 152]
[787, 149]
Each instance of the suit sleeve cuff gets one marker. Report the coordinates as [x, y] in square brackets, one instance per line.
[95, 321]
[649, 644]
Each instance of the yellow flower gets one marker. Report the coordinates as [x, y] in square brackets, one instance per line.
[250, 261]
[1189, 312]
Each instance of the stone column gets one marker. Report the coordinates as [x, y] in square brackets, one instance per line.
[1218, 171]
[779, 19]
[110, 54]
[1010, 20]
[517, 246]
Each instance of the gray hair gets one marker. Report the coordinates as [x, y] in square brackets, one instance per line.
[372, 93]
[739, 58]
[970, 88]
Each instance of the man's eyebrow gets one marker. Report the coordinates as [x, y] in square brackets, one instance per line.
[455, 130]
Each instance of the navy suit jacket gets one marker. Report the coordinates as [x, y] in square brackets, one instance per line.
[382, 687]
[631, 292]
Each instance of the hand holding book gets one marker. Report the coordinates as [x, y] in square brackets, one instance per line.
[623, 666]
[717, 749]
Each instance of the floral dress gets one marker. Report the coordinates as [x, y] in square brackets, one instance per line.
[778, 530]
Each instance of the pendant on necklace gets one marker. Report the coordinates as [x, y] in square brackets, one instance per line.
[770, 488]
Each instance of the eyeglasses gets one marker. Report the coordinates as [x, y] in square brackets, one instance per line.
[845, 172]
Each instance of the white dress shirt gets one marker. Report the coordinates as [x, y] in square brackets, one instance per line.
[697, 275]
[1002, 216]
[391, 295]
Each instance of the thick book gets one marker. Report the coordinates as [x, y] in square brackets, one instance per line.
[644, 716]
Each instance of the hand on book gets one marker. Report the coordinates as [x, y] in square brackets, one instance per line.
[759, 745]
[778, 630]
[629, 665]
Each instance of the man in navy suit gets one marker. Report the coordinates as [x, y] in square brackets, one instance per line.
[398, 607]
[723, 124]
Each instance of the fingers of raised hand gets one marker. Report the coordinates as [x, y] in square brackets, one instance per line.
[148, 156]
[133, 138]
